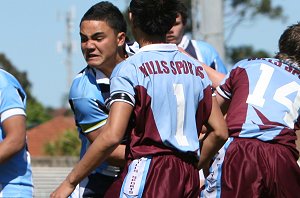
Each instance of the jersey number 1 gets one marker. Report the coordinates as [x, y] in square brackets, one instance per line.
[179, 93]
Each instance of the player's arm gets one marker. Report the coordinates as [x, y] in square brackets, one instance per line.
[108, 139]
[217, 136]
[298, 142]
[117, 157]
[14, 128]
[90, 118]
[223, 102]
[215, 76]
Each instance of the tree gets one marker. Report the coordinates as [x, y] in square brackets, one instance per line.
[67, 145]
[237, 12]
[36, 112]
[236, 54]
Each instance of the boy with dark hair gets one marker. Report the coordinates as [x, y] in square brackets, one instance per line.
[202, 51]
[161, 97]
[102, 33]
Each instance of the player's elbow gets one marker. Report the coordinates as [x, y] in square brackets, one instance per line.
[19, 146]
[11, 149]
[115, 140]
[112, 137]
[221, 134]
[16, 143]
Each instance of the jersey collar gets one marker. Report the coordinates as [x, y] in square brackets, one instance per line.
[159, 47]
[184, 42]
[100, 76]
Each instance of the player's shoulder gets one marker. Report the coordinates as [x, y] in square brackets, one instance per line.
[203, 45]
[132, 48]
[251, 62]
[3, 78]
[83, 76]
[83, 82]
[7, 79]
[125, 66]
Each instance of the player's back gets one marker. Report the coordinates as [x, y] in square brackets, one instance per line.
[169, 89]
[265, 100]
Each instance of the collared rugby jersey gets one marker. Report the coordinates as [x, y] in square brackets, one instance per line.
[172, 98]
[15, 174]
[88, 92]
[265, 101]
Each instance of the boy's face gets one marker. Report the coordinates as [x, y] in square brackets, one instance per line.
[176, 32]
[99, 44]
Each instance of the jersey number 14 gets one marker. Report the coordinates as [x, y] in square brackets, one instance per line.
[280, 95]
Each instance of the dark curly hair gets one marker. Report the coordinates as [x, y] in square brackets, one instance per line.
[289, 44]
[154, 17]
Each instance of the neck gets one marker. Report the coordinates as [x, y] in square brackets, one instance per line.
[120, 56]
[144, 39]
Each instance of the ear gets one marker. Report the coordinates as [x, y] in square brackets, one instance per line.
[121, 39]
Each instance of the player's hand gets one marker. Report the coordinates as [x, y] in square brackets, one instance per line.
[64, 190]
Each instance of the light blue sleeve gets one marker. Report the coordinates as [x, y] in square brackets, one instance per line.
[124, 80]
[10, 98]
[88, 115]
[210, 56]
[87, 104]
[12, 94]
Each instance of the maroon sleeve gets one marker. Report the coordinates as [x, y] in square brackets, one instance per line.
[204, 108]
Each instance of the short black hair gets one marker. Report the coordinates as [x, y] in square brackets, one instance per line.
[106, 11]
[154, 17]
[289, 44]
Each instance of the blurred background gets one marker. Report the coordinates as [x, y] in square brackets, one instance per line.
[41, 38]
[40, 45]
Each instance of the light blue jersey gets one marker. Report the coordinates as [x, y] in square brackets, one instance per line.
[171, 94]
[87, 94]
[204, 52]
[15, 174]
